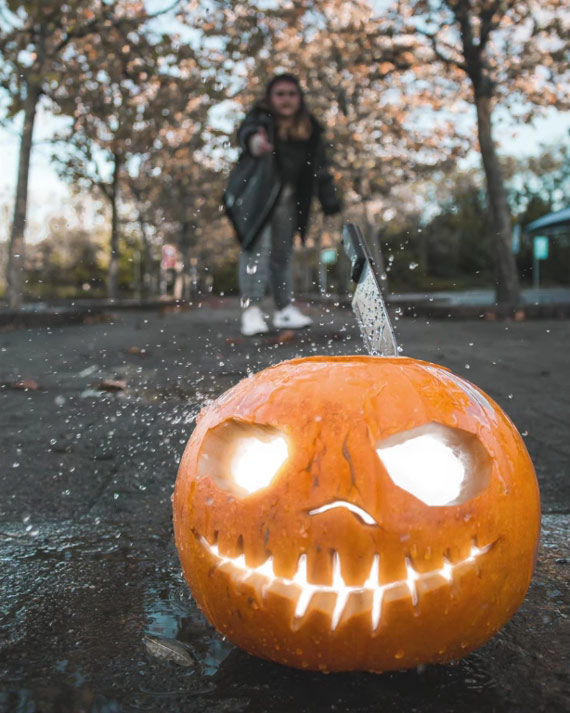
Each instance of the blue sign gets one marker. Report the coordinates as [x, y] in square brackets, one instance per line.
[540, 247]
[328, 256]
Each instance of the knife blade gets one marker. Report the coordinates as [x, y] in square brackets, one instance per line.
[367, 303]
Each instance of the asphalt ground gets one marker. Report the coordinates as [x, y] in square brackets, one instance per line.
[93, 422]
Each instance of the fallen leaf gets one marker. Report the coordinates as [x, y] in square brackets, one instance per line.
[282, 338]
[25, 385]
[168, 650]
[100, 318]
[111, 385]
[173, 309]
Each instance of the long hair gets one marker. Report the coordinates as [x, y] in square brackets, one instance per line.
[301, 127]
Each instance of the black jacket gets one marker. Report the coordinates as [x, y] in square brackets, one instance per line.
[255, 183]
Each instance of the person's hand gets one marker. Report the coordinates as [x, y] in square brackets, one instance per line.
[259, 144]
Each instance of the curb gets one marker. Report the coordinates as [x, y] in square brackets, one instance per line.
[70, 316]
[103, 311]
[434, 310]
[487, 312]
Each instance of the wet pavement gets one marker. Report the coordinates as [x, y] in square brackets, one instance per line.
[94, 613]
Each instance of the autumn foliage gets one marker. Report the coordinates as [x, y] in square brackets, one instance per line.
[151, 101]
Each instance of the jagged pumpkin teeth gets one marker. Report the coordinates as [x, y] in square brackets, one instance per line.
[302, 590]
[356, 513]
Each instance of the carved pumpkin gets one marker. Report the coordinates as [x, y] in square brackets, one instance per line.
[356, 513]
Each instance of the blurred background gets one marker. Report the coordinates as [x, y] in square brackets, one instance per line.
[447, 120]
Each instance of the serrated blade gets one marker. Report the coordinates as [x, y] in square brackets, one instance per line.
[372, 317]
[367, 302]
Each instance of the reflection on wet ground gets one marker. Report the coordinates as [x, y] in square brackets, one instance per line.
[138, 629]
[143, 645]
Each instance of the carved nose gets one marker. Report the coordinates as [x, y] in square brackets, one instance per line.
[361, 514]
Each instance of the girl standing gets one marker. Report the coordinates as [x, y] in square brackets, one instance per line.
[282, 166]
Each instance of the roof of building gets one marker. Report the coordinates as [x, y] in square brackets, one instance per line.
[552, 220]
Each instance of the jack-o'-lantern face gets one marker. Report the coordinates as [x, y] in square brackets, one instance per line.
[356, 513]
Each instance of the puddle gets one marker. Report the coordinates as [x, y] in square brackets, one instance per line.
[172, 615]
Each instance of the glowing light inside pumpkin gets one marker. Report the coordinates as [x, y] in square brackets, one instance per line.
[437, 464]
[242, 457]
[366, 518]
[426, 468]
[346, 598]
[255, 462]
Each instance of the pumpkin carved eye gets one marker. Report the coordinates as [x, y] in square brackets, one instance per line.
[243, 457]
[437, 464]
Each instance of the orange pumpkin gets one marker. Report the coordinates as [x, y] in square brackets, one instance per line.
[362, 513]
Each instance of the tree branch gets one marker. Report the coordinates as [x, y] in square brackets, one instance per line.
[432, 37]
[487, 24]
[164, 11]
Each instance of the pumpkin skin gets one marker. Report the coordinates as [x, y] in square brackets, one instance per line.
[291, 574]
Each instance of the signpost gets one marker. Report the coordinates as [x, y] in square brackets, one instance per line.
[328, 257]
[516, 239]
[539, 252]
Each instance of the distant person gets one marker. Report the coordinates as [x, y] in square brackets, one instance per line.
[268, 199]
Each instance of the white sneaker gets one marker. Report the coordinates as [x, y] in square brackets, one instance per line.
[252, 322]
[291, 317]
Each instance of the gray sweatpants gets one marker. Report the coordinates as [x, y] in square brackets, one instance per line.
[269, 261]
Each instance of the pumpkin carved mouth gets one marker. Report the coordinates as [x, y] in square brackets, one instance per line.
[340, 600]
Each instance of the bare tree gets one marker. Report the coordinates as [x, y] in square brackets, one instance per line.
[513, 54]
[38, 42]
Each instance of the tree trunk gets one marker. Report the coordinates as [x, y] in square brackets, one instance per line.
[507, 280]
[185, 240]
[113, 275]
[147, 266]
[15, 271]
